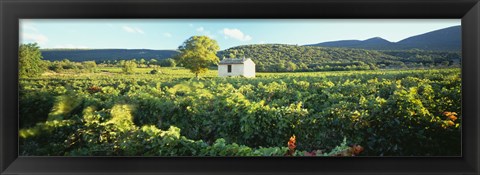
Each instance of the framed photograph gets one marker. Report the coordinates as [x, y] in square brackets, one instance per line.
[240, 87]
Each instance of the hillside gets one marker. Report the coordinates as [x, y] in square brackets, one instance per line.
[443, 39]
[448, 39]
[105, 54]
[280, 57]
[372, 43]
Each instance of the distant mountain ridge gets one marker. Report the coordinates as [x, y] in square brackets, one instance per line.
[446, 39]
[372, 43]
[105, 54]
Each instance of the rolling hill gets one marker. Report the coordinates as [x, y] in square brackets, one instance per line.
[443, 39]
[283, 57]
[437, 48]
[447, 39]
[372, 43]
[278, 57]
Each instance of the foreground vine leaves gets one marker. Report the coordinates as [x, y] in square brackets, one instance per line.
[341, 150]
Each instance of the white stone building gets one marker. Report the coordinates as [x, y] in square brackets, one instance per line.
[236, 67]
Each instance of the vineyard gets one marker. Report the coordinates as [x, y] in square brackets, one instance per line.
[348, 113]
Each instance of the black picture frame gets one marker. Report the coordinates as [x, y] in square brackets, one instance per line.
[12, 10]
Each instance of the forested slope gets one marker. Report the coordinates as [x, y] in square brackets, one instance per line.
[281, 57]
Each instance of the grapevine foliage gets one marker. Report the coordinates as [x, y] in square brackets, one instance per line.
[386, 112]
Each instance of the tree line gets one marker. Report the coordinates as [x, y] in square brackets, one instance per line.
[32, 64]
[198, 53]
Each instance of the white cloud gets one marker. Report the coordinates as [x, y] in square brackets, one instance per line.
[128, 29]
[205, 32]
[34, 37]
[27, 25]
[139, 30]
[30, 33]
[168, 35]
[29, 28]
[133, 29]
[261, 42]
[236, 34]
[70, 46]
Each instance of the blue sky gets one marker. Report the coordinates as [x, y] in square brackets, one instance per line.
[170, 33]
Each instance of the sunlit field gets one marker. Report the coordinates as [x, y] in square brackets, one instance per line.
[172, 113]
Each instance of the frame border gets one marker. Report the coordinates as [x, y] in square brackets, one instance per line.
[12, 10]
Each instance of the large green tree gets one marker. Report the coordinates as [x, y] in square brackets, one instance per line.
[30, 60]
[198, 53]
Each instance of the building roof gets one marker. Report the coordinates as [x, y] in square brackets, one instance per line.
[233, 60]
